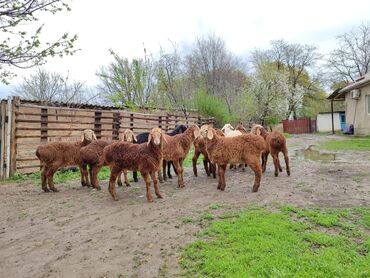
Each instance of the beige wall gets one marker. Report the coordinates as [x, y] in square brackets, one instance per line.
[356, 112]
[323, 122]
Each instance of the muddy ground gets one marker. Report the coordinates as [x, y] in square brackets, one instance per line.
[80, 232]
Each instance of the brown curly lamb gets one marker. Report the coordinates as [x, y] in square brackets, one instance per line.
[200, 148]
[275, 143]
[145, 158]
[61, 154]
[176, 149]
[246, 148]
[92, 156]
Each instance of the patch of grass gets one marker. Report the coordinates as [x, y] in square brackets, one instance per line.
[60, 176]
[357, 179]
[261, 243]
[188, 160]
[287, 135]
[188, 219]
[354, 144]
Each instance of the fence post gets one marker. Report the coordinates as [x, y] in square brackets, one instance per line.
[3, 115]
[167, 121]
[116, 125]
[97, 124]
[132, 121]
[160, 121]
[44, 125]
[13, 139]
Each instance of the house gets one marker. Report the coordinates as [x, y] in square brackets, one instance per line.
[356, 96]
[324, 124]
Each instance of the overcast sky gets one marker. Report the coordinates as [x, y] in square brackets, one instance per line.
[125, 26]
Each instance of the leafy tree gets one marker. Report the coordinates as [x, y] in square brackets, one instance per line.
[129, 83]
[22, 49]
[352, 57]
[53, 87]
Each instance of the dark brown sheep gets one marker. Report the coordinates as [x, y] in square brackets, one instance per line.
[61, 154]
[246, 148]
[145, 158]
[241, 128]
[176, 149]
[275, 143]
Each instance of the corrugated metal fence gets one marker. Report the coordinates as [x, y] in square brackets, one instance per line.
[299, 126]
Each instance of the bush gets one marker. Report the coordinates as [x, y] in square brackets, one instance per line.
[212, 106]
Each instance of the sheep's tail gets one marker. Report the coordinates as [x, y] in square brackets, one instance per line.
[276, 141]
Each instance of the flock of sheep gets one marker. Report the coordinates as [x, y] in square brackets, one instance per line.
[148, 151]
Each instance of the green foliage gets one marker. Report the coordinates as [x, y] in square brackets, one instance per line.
[260, 243]
[212, 106]
[353, 144]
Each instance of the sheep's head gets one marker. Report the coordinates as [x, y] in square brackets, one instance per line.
[227, 128]
[129, 136]
[88, 135]
[156, 136]
[257, 129]
[195, 130]
[207, 132]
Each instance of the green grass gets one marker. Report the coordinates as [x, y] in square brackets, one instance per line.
[354, 144]
[59, 177]
[188, 160]
[289, 243]
[287, 135]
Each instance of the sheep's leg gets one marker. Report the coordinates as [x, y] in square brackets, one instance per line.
[84, 175]
[221, 172]
[206, 167]
[181, 161]
[127, 182]
[119, 179]
[164, 164]
[135, 176]
[194, 161]
[146, 177]
[156, 186]
[91, 177]
[280, 169]
[180, 182]
[286, 158]
[275, 158]
[44, 179]
[50, 175]
[264, 161]
[169, 163]
[255, 165]
[213, 166]
[112, 180]
[94, 173]
[173, 166]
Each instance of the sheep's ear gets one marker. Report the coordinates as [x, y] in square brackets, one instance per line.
[196, 133]
[223, 129]
[134, 137]
[94, 137]
[258, 131]
[82, 138]
[210, 134]
[149, 138]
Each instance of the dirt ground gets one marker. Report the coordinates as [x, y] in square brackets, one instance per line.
[80, 232]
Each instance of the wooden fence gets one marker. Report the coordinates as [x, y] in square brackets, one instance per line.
[299, 126]
[27, 124]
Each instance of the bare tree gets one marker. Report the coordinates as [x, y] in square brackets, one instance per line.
[172, 80]
[213, 66]
[20, 49]
[352, 57]
[53, 87]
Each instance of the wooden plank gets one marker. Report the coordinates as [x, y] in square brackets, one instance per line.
[3, 115]
[13, 148]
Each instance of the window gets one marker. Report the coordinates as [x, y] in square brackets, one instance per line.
[368, 104]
